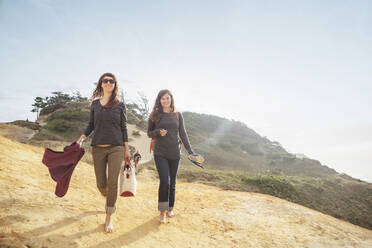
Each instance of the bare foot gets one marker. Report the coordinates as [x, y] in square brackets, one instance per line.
[163, 218]
[109, 228]
[170, 214]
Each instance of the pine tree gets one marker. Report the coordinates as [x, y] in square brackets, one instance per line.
[38, 105]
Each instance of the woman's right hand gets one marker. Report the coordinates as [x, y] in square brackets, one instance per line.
[163, 132]
[81, 139]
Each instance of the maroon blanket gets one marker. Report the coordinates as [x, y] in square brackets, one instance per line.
[62, 164]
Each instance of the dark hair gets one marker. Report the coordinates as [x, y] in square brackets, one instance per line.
[158, 109]
[115, 96]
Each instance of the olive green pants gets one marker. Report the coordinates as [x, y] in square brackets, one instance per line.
[108, 159]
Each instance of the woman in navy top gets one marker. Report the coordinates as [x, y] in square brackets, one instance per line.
[166, 126]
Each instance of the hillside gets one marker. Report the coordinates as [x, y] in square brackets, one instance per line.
[232, 145]
[32, 216]
[21, 134]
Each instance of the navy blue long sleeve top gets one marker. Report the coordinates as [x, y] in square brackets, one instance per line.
[168, 145]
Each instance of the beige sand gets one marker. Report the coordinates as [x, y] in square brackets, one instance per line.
[32, 216]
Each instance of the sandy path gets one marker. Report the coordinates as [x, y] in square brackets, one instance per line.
[141, 143]
[206, 216]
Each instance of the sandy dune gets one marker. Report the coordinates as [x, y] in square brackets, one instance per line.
[32, 216]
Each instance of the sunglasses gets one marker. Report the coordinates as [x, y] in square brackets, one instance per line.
[105, 81]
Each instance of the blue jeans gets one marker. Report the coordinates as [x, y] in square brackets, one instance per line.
[167, 169]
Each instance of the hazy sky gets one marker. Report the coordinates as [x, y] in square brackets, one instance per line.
[298, 72]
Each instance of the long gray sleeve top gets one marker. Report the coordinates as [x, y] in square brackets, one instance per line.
[168, 145]
[109, 126]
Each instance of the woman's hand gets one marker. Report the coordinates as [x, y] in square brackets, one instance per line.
[163, 132]
[81, 139]
[127, 156]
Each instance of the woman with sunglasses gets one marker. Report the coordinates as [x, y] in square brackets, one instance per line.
[167, 128]
[109, 140]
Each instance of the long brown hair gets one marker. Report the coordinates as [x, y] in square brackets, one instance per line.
[158, 109]
[98, 92]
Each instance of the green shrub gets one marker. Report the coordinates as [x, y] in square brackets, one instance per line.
[132, 118]
[142, 124]
[45, 134]
[71, 114]
[136, 133]
[58, 125]
[28, 124]
[272, 185]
